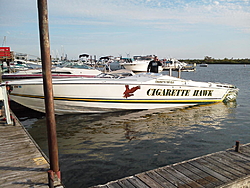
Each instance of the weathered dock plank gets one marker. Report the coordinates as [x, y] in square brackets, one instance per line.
[193, 176]
[213, 166]
[211, 172]
[137, 182]
[157, 177]
[213, 181]
[169, 177]
[126, 183]
[182, 176]
[225, 169]
[233, 163]
[21, 162]
[150, 181]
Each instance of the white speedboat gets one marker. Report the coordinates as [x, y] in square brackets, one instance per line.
[19, 65]
[137, 64]
[174, 64]
[66, 71]
[106, 93]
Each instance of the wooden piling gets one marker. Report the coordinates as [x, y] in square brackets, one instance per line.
[48, 91]
[237, 146]
[179, 73]
[170, 71]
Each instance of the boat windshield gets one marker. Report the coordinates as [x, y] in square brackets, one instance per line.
[76, 65]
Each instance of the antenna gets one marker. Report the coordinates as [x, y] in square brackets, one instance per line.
[128, 54]
[4, 41]
[62, 48]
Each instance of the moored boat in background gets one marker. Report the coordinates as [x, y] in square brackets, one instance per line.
[66, 70]
[203, 65]
[137, 63]
[173, 64]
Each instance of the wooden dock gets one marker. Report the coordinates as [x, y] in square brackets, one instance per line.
[22, 164]
[225, 169]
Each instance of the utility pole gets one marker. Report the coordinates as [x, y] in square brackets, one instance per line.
[54, 172]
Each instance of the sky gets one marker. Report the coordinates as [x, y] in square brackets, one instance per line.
[182, 29]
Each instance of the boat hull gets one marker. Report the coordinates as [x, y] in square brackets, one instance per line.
[95, 96]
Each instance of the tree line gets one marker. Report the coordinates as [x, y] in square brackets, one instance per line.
[210, 60]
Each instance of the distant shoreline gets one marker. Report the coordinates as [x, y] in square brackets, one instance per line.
[217, 61]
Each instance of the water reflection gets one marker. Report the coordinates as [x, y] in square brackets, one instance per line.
[76, 131]
[104, 147]
[131, 125]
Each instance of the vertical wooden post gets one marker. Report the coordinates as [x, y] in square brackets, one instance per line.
[237, 146]
[179, 73]
[1, 71]
[54, 172]
[6, 105]
[170, 71]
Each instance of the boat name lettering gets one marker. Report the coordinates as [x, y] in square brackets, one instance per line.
[178, 92]
[165, 81]
[208, 93]
[168, 92]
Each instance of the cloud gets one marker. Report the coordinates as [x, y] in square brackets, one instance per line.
[131, 12]
[232, 13]
[216, 2]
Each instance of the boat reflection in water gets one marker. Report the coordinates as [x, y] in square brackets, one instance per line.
[98, 148]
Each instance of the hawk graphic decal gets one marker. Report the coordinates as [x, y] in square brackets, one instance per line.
[129, 92]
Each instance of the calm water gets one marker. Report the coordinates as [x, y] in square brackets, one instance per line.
[95, 149]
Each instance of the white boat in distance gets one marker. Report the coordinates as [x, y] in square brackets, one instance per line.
[173, 64]
[106, 93]
[137, 64]
[203, 65]
[67, 71]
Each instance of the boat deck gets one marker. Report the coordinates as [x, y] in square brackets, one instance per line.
[222, 169]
